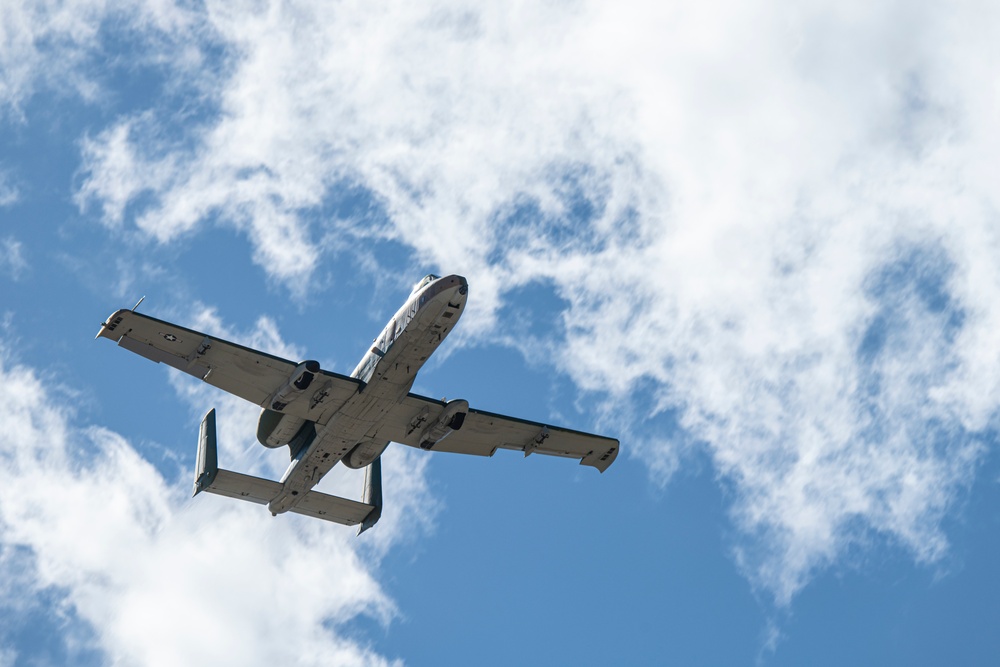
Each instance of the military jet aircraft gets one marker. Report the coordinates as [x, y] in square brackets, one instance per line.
[325, 417]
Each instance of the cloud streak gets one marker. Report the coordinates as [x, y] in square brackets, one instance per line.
[775, 221]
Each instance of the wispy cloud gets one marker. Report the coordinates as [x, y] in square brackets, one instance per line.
[25, 28]
[9, 192]
[12, 259]
[161, 579]
[54, 45]
[718, 193]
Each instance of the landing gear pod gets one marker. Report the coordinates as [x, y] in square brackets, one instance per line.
[276, 429]
[363, 454]
[451, 419]
[298, 382]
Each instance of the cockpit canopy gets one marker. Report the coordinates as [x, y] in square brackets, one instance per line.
[426, 280]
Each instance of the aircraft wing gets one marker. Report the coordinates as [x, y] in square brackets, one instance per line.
[245, 372]
[482, 433]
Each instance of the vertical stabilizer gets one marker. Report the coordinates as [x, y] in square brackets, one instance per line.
[208, 454]
[373, 494]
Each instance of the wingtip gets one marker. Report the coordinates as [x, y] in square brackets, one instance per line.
[110, 325]
[602, 459]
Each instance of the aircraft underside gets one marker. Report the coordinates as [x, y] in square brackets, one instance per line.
[324, 417]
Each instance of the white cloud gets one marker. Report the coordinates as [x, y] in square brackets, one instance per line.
[53, 45]
[779, 219]
[161, 579]
[12, 259]
[9, 192]
[24, 28]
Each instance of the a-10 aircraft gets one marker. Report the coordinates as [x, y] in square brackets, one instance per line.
[324, 417]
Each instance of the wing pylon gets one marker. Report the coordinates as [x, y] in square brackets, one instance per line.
[209, 477]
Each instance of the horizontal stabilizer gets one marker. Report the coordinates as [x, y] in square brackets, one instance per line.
[315, 504]
[209, 477]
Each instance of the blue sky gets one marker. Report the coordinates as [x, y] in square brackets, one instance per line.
[755, 241]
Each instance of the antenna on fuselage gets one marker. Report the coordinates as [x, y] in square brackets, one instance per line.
[138, 302]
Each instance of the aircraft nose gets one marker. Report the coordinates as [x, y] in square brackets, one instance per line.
[460, 281]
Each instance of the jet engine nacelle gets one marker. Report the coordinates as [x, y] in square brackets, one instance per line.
[364, 453]
[297, 383]
[451, 419]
